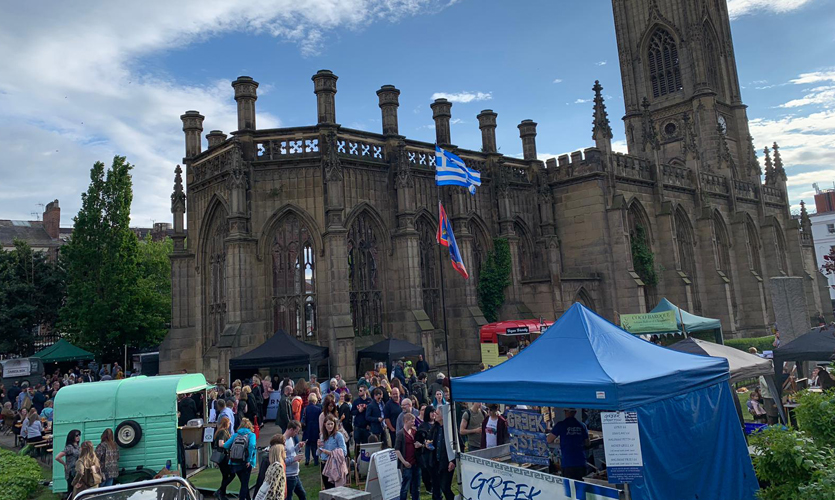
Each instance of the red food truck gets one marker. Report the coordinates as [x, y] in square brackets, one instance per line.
[499, 339]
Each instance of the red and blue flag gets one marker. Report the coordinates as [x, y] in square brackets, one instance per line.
[447, 239]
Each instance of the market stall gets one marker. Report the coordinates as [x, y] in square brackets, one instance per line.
[818, 344]
[692, 444]
[62, 352]
[686, 323]
[742, 365]
[279, 351]
[388, 351]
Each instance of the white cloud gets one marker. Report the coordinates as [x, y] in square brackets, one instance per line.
[582, 101]
[824, 96]
[78, 79]
[815, 77]
[558, 80]
[463, 97]
[806, 136]
[601, 63]
[738, 8]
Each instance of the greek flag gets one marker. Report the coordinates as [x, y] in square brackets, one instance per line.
[451, 170]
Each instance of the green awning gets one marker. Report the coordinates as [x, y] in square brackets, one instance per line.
[63, 351]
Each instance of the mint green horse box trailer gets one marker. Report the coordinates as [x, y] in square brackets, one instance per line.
[141, 411]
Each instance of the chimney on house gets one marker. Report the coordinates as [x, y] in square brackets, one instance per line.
[52, 219]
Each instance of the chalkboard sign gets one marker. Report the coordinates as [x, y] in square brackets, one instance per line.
[383, 480]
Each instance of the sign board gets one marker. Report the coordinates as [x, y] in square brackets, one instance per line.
[518, 330]
[622, 442]
[484, 479]
[208, 434]
[272, 405]
[528, 437]
[383, 481]
[449, 437]
[661, 322]
[17, 368]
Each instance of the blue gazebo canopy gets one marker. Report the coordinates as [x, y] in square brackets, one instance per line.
[691, 441]
[583, 360]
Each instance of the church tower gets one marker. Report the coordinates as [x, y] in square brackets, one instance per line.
[680, 78]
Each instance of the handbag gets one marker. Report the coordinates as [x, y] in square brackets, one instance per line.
[219, 456]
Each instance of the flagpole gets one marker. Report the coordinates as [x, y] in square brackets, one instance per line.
[446, 334]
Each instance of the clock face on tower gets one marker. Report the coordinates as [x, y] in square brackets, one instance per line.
[723, 125]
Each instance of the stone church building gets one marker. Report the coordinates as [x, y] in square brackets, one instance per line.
[329, 233]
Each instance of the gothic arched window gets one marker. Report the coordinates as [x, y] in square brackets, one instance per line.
[640, 242]
[294, 279]
[780, 243]
[214, 279]
[753, 248]
[480, 249]
[364, 283]
[584, 298]
[525, 249]
[721, 244]
[712, 69]
[662, 55]
[429, 277]
[685, 246]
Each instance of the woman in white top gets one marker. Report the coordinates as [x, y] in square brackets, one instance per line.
[34, 429]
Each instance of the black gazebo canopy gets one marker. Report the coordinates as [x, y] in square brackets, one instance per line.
[389, 350]
[280, 350]
[816, 345]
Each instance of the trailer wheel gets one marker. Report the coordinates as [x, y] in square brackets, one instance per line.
[128, 434]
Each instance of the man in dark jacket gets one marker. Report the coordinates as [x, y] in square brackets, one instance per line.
[374, 414]
[390, 413]
[421, 366]
[187, 409]
[285, 408]
[361, 431]
[39, 398]
[443, 467]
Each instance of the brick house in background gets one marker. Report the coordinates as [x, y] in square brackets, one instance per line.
[42, 235]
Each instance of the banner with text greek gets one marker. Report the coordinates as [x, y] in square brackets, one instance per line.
[660, 322]
[484, 479]
[528, 437]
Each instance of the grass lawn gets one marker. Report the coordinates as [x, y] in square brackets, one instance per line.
[210, 478]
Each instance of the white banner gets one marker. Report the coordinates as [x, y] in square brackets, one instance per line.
[17, 368]
[484, 479]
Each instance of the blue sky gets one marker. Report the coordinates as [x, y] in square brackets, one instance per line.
[83, 84]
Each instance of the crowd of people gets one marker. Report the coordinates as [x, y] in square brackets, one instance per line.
[27, 408]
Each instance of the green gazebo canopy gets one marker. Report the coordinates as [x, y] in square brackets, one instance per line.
[63, 351]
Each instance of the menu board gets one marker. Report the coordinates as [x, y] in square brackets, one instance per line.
[383, 480]
[622, 442]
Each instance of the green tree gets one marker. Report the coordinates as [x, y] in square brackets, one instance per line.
[493, 279]
[110, 301]
[32, 290]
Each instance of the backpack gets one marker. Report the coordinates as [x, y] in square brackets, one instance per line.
[239, 451]
[419, 390]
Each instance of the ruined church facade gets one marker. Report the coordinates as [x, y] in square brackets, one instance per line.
[329, 233]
